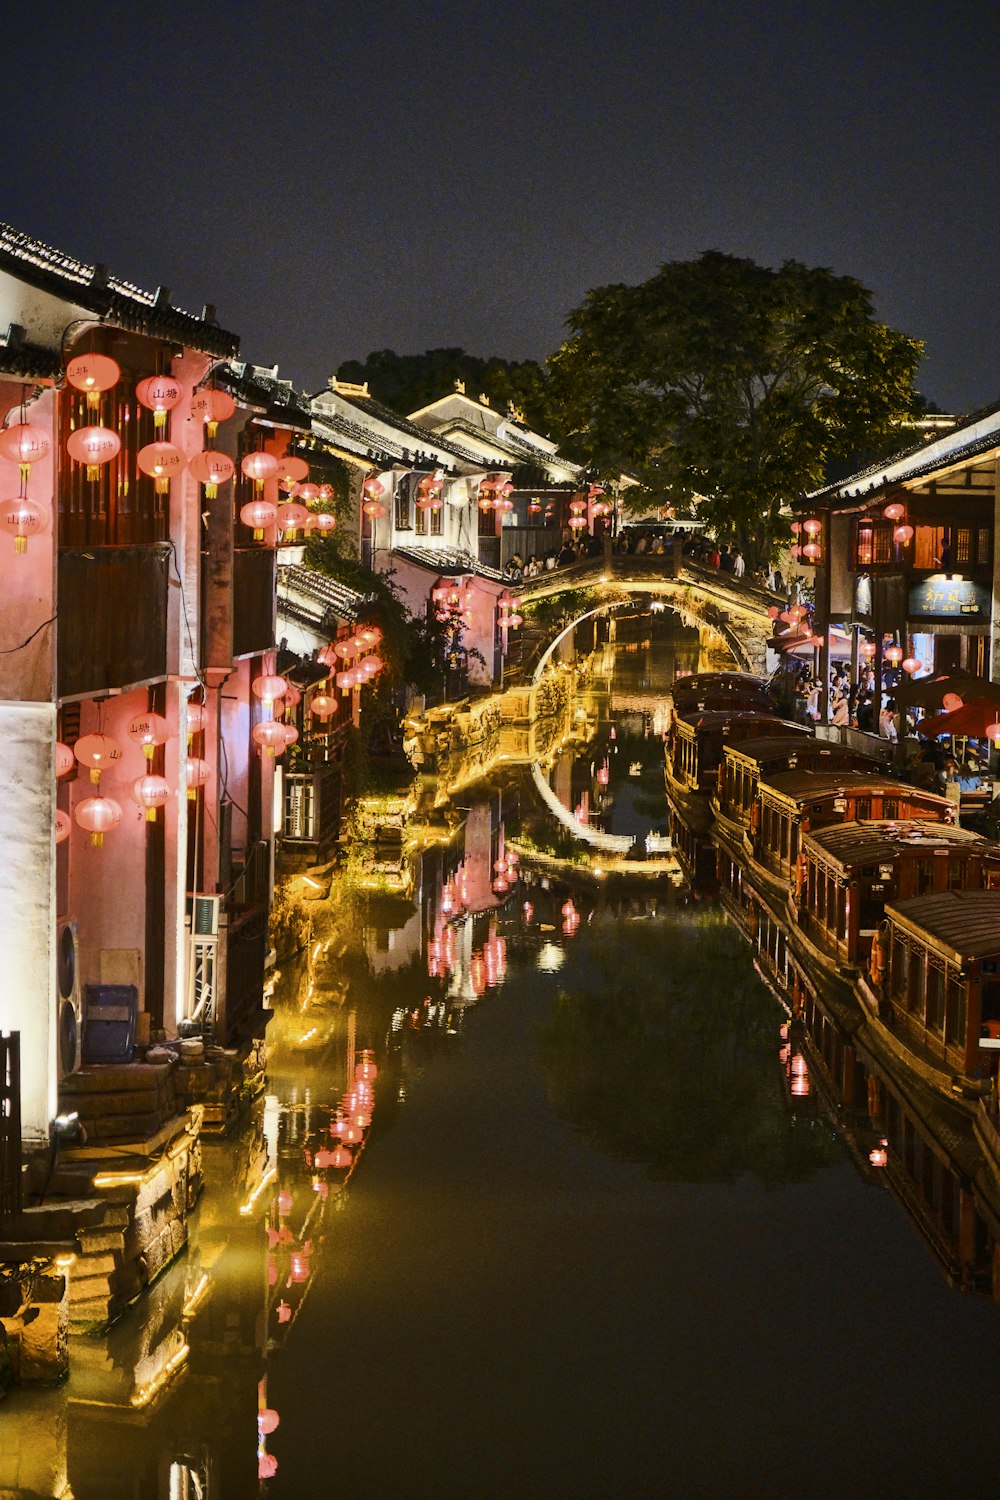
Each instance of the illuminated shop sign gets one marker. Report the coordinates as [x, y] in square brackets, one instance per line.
[949, 597]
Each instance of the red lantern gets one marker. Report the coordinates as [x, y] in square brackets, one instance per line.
[878, 1156]
[868, 649]
[292, 698]
[812, 527]
[291, 734]
[22, 518]
[813, 551]
[148, 730]
[911, 664]
[65, 760]
[92, 374]
[211, 469]
[895, 511]
[98, 815]
[993, 732]
[373, 487]
[98, 752]
[270, 736]
[64, 824]
[308, 493]
[893, 655]
[340, 1157]
[24, 443]
[196, 717]
[292, 470]
[93, 446]
[268, 689]
[902, 535]
[365, 1070]
[373, 510]
[258, 515]
[322, 706]
[162, 462]
[951, 701]
[195, 775]
[158, 394]
[259, 466]
[212, 407]
[324, 522]
[290, 518]
[151, 792]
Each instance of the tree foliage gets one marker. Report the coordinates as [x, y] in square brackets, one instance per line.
[406, 382]
[731, 386]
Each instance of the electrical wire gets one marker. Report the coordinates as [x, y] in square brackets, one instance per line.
[9, 650]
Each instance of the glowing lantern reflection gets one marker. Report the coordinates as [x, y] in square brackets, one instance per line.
[98, 815]
[365, 1070]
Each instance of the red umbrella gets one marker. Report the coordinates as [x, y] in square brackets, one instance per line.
[973, 718]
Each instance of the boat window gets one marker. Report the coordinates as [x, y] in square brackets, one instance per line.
[915, 982]
[897, 973]
[935, 999]
[955, 1012]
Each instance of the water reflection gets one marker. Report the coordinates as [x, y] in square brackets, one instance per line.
[487, 1044]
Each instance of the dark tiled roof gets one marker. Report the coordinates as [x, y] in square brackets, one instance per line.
[278, 398]
[29, 361]
[422, 437]
[451, 560]
[314, 598]
[869, 843]
[108, 297]
[967, 922]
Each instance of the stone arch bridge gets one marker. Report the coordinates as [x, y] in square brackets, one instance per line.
[558, 601]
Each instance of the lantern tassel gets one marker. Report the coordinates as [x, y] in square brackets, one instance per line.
[97, 839]
[159, 420]
[211, 490]
[150, 814]
[20, 544]
[95, 774]
[93, 470]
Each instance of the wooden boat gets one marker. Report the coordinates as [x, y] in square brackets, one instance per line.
[846, 874]
[697, 742]
[720, 690]
[745, 763]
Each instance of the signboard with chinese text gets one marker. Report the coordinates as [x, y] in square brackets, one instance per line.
[950, 598]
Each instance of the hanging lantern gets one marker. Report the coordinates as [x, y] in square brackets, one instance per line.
[290, 517]
[878, 1156]
[308, 493]
[993, 732]
[259, 467]
[796, 527]
[196, 717]
[22, 518]
[292, 698]
[158, 394]
[797, 612]
[902, 534]
[813, 526]
[911, 664]
[291, 734]
[487, 494]
[577, 523]
[813, 551]
[258, 515]
[534, 506]
[894, 511]
[373, 487]
[291, 471]
[98, 752]
[64, 824]
[347, 682]
[151, 792]
[868, 649]
[373, 510]
[212, 407]
[578, 506]
[92, 374]
[195, 775]
[211, 469]
[268, 689]
[893, 655]
[93, 446]
[24, 443]
[326, 492]
[148, 730]
[98, 815]
[322, 706]
[162, 462]
[369, 636]
[270, 736]
[65, 760]
[951, 701]
[324, 522]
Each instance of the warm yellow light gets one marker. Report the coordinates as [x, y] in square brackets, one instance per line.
[265, 1182]
[144, 1395]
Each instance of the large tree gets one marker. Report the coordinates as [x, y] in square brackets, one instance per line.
[407, 382]
[728, 387]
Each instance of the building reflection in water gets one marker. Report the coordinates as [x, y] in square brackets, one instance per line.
[174, 1403]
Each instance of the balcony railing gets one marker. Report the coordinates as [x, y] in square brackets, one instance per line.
[112, 617]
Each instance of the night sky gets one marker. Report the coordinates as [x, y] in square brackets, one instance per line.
[342, 178]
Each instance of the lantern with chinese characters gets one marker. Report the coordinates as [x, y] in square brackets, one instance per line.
[307, 493]
[259, 467]
[93, 446]
[98, 752]
[21, 518]
[148, 730]
[325, 522]
[93, 374]
[64, 824]
[292, 470]
[268, 689]
[24, 443]
[162, 462]
[894, 511]
[158, 394]
[98, 815]
[290, 518]
[212, 407]
[65, 760]
[195, 775]
[151, 792]
[211, 469]
[258, 515]
[196, 717]
[270, 736]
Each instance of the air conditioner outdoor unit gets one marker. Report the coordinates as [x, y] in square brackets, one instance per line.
[69, 1002]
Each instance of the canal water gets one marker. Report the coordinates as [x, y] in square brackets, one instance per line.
[586, 1237]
